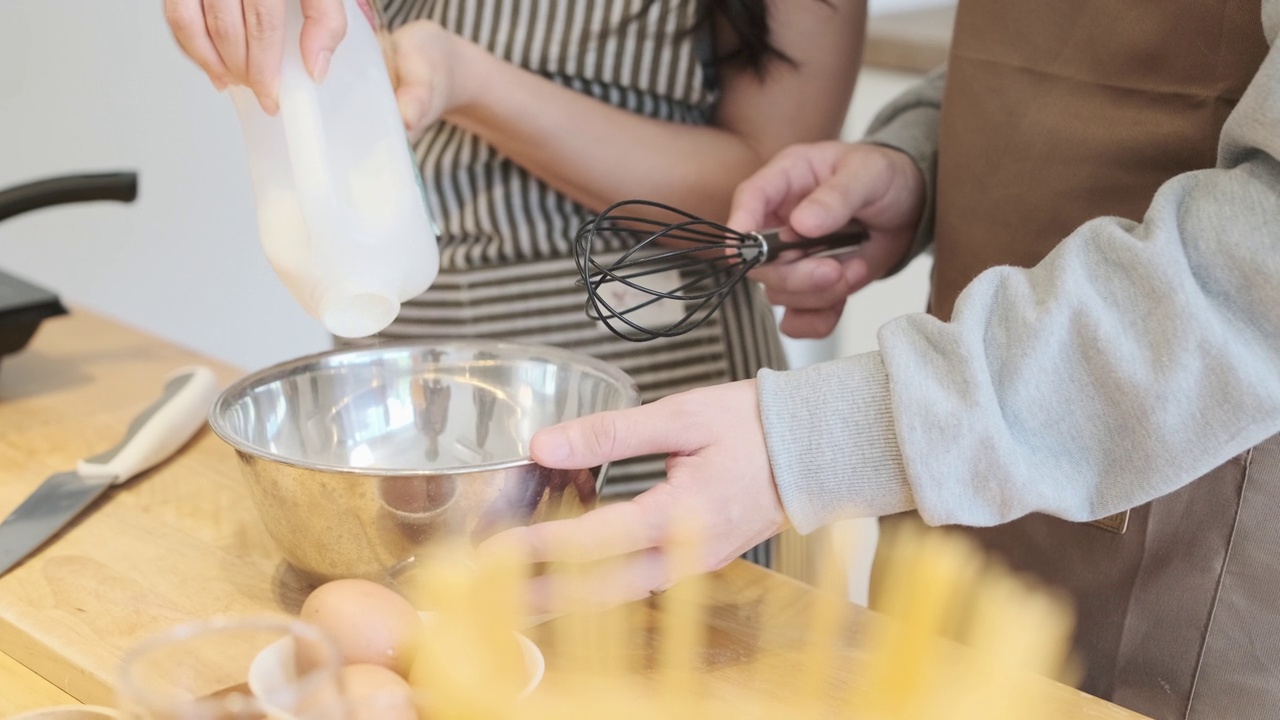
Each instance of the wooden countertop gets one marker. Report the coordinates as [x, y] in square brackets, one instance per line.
[24, 690]
[916, 41]
[182, 542]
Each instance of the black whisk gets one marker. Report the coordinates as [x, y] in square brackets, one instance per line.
[669, 255]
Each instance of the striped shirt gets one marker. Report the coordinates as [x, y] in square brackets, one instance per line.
[507, 268]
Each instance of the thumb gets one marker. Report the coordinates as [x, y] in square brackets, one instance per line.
[752, 201]
[324, 25]
[616, 435]
[414, 102]
[833, 203]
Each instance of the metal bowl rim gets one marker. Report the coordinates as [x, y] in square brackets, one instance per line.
[279, 371]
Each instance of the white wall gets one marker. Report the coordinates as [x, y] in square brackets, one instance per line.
[93, 85]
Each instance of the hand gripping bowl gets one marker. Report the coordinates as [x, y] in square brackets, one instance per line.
[356, 457]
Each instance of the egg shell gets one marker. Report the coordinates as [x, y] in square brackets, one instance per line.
[374, 692]
[369, 622]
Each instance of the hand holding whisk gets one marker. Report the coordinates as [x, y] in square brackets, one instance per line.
[668, 255]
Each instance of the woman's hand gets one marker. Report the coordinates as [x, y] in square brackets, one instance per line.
[241, 42]
[816, 189]
[433, 71]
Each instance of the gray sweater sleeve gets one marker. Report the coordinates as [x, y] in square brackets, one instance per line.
[909, 123]
[1132, 360]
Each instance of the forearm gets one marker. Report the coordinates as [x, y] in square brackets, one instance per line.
[595, 153]
[1129, 362]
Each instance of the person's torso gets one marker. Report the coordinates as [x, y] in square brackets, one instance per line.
[639, 55]
[1057, 112]
[1060, 111]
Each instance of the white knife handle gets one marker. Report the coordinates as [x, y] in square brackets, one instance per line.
[160, 430]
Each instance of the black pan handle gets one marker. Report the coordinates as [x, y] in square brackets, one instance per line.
[119, 186]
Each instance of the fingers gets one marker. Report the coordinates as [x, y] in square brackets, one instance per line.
[813, 291]
[413, 78]
[434, 68]
[226, 25]
[820, 283]
[594, 581]
[718, 500]
[874, 261]
[242, 41]
[657, 428]
[264, 28]
[758, 198]
[186, 18]
[323, 27]
[616, 529]
[809, 282]
[784, 181]
[415, 103]
[233, 41]
[811, 323]
[600, 586]
[836, 200]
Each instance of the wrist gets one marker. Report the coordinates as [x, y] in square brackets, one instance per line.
[905, 203]
[469, 68]
[908, 175]
[922, 235]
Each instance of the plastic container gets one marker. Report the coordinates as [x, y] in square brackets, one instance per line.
[342, 215]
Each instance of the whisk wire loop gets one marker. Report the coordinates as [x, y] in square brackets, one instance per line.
[650, 241]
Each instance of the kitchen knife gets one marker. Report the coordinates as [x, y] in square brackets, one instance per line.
[153, 437]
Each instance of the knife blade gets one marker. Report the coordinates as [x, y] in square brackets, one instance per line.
[154, 436]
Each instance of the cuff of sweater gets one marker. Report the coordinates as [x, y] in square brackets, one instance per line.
[914, 133]
[832, 443]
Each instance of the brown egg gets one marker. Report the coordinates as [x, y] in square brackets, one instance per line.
[375, 693]
[370, 623]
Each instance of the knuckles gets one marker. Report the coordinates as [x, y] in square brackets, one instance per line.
[262, 21]
[224, 25]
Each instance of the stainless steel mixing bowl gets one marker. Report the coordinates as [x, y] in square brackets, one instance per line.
[357, 457]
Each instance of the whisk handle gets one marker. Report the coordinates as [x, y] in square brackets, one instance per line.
[851, 235]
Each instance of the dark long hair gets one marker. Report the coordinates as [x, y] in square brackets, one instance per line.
[749, 22]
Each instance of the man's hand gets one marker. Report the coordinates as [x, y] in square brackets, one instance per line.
[718, 479]
[816, 189]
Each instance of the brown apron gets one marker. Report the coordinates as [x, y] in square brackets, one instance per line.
[1056, 112]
